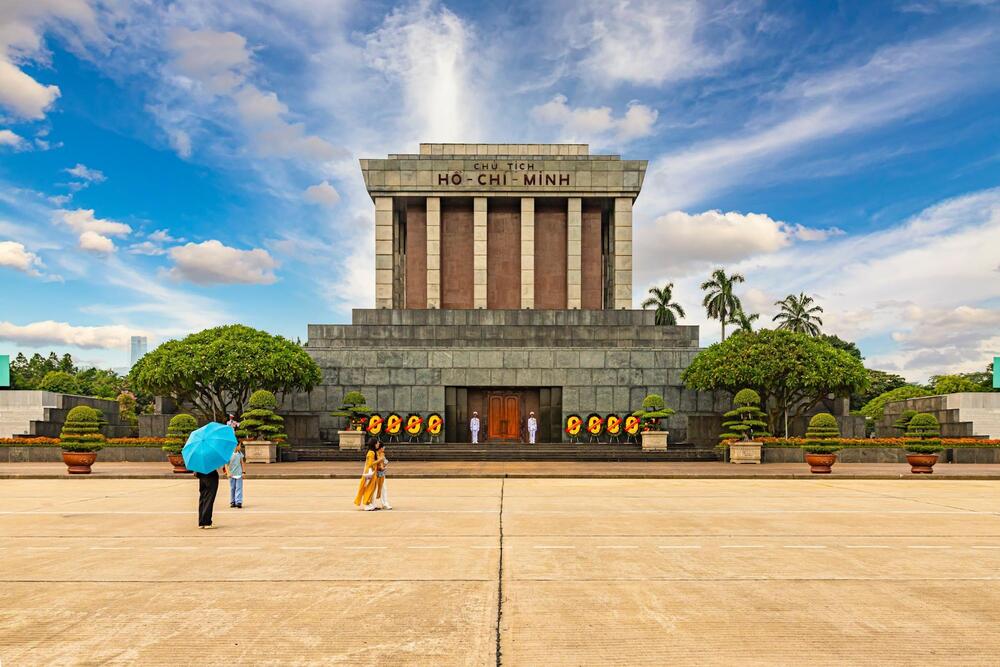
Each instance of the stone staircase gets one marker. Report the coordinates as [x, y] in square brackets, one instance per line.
[512, 452]
[961, 415]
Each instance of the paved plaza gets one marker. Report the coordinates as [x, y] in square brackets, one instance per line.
[590, 571]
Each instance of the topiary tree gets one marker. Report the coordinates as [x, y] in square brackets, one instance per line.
[746, 419]
[178, 430]
[217, 369]
[923, 434]
[904, 420]
[354, 409]
[654, 408]
[82, 431]
[59, 382]
[822, 434]
[260, 422]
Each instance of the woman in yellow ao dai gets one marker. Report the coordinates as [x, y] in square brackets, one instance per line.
[368, 485]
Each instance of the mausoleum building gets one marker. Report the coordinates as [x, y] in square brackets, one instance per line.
[503, 285]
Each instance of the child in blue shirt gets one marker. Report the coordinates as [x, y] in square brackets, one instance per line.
[235, 471]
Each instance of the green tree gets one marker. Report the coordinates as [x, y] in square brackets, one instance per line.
[82, 431]
[653, 409]
[354, 409]
[822, 434]
[100, 382]
[875, 408]
[59, 382]
[667, 311]
[841, 344]
[790, 371]
[798, 314]
[743, 321]
[953, 384]
[216, 370]
[879, 382]
[720, 302]
[178, 430]
[923, 434]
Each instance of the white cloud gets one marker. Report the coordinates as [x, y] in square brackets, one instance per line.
[212, 64]
[97, 243]
[14, 255]
[651, 42]
[895, 83]
[82, 220]
[50, 332]
[85, 173]
[154, 244]
[211, 262]
[925, 290]
[595, 125]
[679, 243]
[22, 25]
[322, 193]
[429, 52]
[8, 138]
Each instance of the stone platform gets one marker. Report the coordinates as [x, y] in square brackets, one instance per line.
[600, 361]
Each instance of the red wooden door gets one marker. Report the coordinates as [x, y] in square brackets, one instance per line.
[503, 419]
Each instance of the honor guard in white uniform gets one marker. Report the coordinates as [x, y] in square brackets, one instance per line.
[474, 427]
[532, 427]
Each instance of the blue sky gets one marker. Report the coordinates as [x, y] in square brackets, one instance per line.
[166, 167]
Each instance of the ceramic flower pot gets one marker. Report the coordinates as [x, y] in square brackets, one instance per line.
[922, 463]
[78, 463]
[820, 464]
[177, 461]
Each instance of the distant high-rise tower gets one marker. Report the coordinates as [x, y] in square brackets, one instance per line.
[139, 347]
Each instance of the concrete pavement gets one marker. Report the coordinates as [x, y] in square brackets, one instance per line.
[589, 571]
[521, 469]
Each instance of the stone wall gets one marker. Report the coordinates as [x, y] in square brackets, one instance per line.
[43, 413]
[962, 415]
[605, 361]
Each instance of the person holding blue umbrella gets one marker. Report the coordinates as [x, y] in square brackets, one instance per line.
[208, 449]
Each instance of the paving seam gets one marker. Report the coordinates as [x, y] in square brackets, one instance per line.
[581, 475]
[500, 577]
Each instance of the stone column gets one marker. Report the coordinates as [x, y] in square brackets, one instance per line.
[574, 251]
[479, 267]
[527, 252]
[623, 253]
[433, 252]
[383, 252]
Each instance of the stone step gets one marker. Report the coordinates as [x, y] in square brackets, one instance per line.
[502, 452]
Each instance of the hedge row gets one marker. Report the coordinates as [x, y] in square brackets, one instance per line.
[947, 443]
[54, 442]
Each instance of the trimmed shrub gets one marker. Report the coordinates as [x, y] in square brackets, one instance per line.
[654, 408]
[904, 420]
[822, 434]
[923, 434]
[59, 382]
[260, 422]
[746, 420]
[81, 432]
[178, 430]
[355, 409]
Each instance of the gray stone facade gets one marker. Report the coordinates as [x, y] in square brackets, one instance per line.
[604, 361]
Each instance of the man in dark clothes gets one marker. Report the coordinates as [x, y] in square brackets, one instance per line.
[208, 486]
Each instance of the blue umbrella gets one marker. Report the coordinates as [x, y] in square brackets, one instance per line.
[209, 447]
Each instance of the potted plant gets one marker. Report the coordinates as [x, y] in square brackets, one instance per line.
[822, 443]
[81, 439]
[178, 430]
[355, 410]
[743, 423]
[923, 442]
[654, 437]
[261, 429]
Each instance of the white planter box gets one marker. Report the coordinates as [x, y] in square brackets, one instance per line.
[745, 452]
[351, 439]
[260, 451]
[654, 441]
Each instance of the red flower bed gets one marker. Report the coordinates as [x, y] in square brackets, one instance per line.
[882, 442]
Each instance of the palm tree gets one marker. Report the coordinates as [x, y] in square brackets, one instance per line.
[798, 314]
[665, 308]
[720, 302]
[744, 321]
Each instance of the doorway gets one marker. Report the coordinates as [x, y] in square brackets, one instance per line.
[503, 416]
